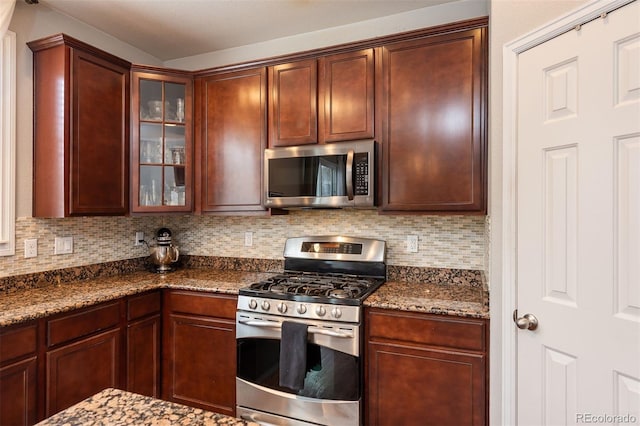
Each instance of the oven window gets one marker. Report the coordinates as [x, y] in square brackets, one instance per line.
[330, 374]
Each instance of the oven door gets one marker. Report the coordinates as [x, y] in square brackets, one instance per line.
[333, 383]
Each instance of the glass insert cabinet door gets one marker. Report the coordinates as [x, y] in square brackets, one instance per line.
[162, 143]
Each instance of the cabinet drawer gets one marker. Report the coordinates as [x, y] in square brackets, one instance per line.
[18, 341]
[82, 323]
[207, 304]
[433, 330]
[143, 305]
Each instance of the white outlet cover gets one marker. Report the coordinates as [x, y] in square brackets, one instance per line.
[412, 243]
[248, 239]
[30, 248]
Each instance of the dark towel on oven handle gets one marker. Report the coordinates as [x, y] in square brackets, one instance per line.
[293, 355]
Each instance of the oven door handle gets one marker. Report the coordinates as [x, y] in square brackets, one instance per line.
[311, 329]
[253, 418]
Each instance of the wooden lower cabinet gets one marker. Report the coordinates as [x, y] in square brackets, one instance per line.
[425, 370]
[199, 357]
[143, 359]
[81, 369]
[18, 375]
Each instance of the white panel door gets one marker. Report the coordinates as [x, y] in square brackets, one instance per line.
[578, 225]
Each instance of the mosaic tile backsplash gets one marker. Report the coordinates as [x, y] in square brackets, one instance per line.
[456, 242]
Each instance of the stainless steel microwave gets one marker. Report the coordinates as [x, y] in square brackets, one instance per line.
[334, 175]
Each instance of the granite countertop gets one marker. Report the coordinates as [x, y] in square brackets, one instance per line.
[447, 296]
[444, 298]
[115, 407]
[42, 301]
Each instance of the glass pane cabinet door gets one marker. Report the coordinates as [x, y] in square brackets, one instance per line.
[162, 148]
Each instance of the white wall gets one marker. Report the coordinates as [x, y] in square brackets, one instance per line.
[416, 19]
[509, 20]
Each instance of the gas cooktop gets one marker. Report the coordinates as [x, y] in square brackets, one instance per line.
[333, 288]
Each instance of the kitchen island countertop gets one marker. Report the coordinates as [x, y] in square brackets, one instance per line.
[116, 407]
[28, 304]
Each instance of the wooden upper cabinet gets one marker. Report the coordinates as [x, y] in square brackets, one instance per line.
[162, 141]
[293, 115]
[346, 96]
[231, 131]
[81, 130]
[434, 115]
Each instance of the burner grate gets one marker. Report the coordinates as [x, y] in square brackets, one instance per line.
[337, 286]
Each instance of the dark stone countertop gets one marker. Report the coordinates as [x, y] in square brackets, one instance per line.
[447, 296]
[116, 407]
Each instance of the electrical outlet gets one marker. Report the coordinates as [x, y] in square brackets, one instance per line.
[139, 238]
[30, 248]
[248, 239]
[412, 243]
[63, 245]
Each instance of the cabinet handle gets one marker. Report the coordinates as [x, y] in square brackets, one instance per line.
[349, 174]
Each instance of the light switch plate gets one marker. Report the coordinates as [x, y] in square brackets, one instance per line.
[63, 245]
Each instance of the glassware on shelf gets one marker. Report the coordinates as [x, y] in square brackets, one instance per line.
[150, 151]
[180, 109]
[177, 155]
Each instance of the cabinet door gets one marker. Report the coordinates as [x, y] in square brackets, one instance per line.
[293, 117]
[143, 356]
[81, 369]
[18, 370]
[419, 386]
[433, 113]
[18, 393]
[200, 362]
[100, 136]
[346, 92]
[81, 129]
[233, 134]
[162, 143]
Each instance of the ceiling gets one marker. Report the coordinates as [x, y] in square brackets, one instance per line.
[171, 29]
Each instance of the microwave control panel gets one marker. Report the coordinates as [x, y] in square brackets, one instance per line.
[361, 165]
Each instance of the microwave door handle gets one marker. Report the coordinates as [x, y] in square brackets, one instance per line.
[349, 174]
[312, 330]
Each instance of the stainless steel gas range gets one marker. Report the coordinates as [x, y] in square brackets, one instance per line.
[300, 337]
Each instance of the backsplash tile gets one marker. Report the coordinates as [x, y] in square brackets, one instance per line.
[456, 242]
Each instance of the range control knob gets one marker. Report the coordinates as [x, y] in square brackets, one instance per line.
[336, 312]
[253, 304]
[282, 308]
[301, 309]
[320, 311]
[265, 305]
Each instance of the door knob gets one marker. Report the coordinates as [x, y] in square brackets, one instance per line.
[525, 322]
